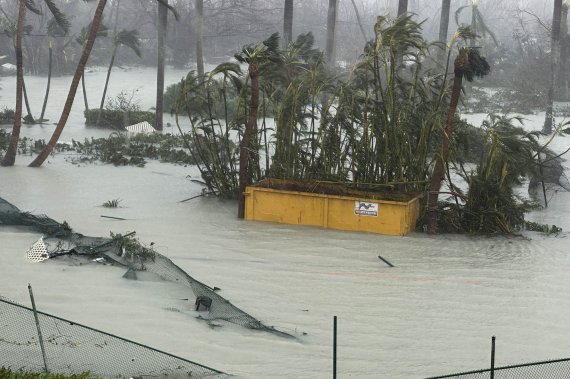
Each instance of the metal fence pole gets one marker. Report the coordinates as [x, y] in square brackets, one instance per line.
[334, 347]
[38, 327]
[493, 357]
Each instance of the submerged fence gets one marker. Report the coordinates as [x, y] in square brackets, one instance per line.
[71, 348]
[554, 369]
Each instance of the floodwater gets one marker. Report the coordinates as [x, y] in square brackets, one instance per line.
[433, 313]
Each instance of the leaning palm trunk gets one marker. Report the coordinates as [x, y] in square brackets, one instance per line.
[29, 118]
[106, 84]
[247, 136]
[84, 91]
[73, 88]
[10, 156]
[50, 47]
[460, 62]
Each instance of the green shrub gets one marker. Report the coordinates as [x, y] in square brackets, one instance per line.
[7, 116]
[117, 119]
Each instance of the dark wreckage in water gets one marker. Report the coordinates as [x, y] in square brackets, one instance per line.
[59, 239]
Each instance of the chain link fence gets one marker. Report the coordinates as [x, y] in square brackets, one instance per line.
[71, 348]
[554, 369]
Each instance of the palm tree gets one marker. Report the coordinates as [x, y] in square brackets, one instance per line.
[554, 59]
[402, 7]
[288, 23]
[10, 156]
[130, 39]
[468, 64]
[444, 25]
[359, 20]
[255, 56]
[163, 8]
[331, 24]
[53, 30]
[200, 37]
[82, 40]
[97, 18]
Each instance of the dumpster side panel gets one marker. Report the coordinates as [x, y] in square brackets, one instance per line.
[329, 211]
[287, 208]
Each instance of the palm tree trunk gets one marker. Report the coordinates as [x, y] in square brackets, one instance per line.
[439, 168]
[288, 23]
[554, 58]
[563, 67]
[50, 63]
[73, 88]
[402, 7]
[247, 135]
[331, 24]
[161, 36]
[402, 10]
[29, 117]
[106, 84]
[359, 20]
[84, 91]
[200, 37]
[10, 156]
[444, 26]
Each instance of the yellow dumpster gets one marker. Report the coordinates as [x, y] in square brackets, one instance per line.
[331, 206]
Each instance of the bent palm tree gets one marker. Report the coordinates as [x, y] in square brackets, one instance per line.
[42, 156]
[82, 40]
[254, 56]
[97, 18]
[130, 39]
[468, 64]
[10, 156]
[53, 30]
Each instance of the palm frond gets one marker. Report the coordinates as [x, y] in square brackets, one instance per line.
[130, 39]
[103, 31]
[484, 28]
[31, 6]
[458, 12]
[171, 8]
[58, 15]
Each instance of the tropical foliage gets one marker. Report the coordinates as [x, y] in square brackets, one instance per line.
[378, 126]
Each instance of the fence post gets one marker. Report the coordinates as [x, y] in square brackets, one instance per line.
[334, 347]
[493, 357]
[38, 327]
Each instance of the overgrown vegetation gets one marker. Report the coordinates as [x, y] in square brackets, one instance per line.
[7, 116]
[379, 124]
[121, 111]
[121, 150]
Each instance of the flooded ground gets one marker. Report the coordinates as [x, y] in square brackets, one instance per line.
[433, 313]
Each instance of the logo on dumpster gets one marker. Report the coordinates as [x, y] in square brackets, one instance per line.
[363, 208]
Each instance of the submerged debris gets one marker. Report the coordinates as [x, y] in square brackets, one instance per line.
[126, 250]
